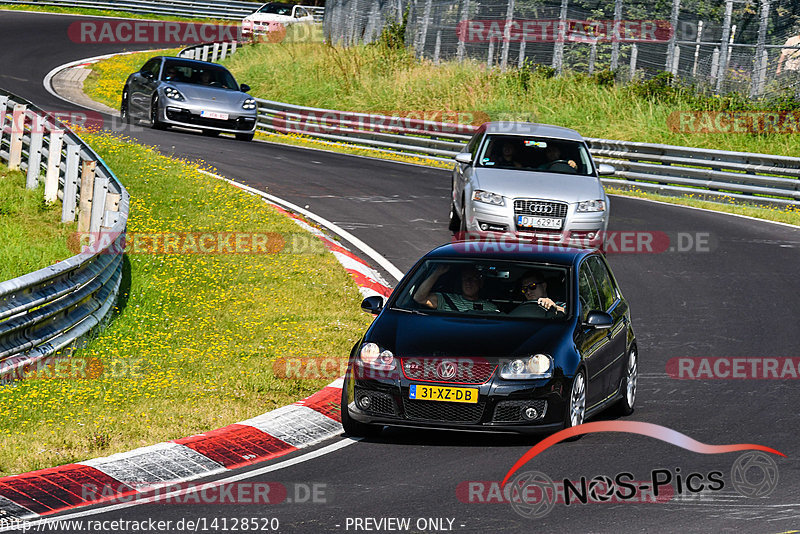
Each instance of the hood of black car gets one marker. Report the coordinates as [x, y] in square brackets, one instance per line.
[451, 336]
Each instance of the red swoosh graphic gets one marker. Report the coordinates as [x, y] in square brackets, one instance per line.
[634, 427]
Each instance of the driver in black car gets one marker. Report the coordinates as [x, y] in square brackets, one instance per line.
[552, 155]
[467, 300]
[534, 293]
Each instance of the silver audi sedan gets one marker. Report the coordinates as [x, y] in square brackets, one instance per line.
[171, 91]
[529, 181]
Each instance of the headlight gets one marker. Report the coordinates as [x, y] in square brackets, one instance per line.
[591, 205]
[372, 356]
[488, 198]
[250, 103]
[173, 93]
[536, 366]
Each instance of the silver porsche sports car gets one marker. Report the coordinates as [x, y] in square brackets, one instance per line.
[171, 91]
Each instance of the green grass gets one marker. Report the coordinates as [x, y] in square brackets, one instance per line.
[380, 79]
[377, 79]
[192, 344]
[31, 233]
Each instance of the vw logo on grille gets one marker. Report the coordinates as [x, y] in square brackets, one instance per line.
[446, 370]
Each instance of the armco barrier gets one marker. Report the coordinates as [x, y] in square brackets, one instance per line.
[217, 9]
[674, 170]
[50, 309]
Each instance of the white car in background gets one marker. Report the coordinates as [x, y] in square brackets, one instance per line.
[273, 16]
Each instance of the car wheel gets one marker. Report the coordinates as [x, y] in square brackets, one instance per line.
[352, 427]
[155, 123]
[576, 403]
[625, 406]
[455, 220]
[124, 107]
[211, 133]
[245, 136]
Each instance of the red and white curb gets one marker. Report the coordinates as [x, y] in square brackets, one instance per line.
[265, 437]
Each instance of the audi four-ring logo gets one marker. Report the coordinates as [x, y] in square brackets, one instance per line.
[540, 208]
[446, 370]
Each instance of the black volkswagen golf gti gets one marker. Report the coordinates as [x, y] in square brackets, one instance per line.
[513, 338]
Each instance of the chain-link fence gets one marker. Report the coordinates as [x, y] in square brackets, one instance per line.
[723, 45]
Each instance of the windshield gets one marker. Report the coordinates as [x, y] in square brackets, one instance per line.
[276, 9]
[196, 73]
[535, 154]
[487, 288]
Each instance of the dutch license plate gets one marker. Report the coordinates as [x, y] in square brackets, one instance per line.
[214, 115]
[539, 222]
[446, 394]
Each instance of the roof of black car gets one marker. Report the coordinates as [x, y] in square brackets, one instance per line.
[510, 250]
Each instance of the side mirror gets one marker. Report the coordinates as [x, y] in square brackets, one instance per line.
[604, 169]
[244, 88]
[373, 304]
[599, 320]
[464, 157]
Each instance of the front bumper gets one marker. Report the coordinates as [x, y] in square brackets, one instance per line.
[188, 116]
[584, 229]
[499, 408]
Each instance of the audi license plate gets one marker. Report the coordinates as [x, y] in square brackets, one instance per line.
[438, 393]
[539, 222]
[214, 115]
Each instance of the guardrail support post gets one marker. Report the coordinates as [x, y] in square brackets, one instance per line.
[70, 183]
[634, 57]
[224, 52]
[3, 108]
[35, 152]
[204, 56]
[87, 190]
[17, 129]
[98, 203]
[233, 47]
[214, 52]
[111, 209]
[53, 166]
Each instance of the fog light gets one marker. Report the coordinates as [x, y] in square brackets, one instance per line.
[364, 402]
[484, 227]
[530, 413]
[591, 235]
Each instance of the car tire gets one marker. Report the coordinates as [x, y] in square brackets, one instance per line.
[211, 133]
[625, 406]
[155, 123]
[245, 136]
[575, 411]
[124, 107]
[352, 427]
[455, 221]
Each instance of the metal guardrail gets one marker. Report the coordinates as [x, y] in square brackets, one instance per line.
[667, 169]
[219, 9]
[49, 310]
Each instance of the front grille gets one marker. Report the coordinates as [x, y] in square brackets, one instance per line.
[511, 411]
[540, 208]
[452, 412]
[461, 370]
[382, 403]
[242, 123]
